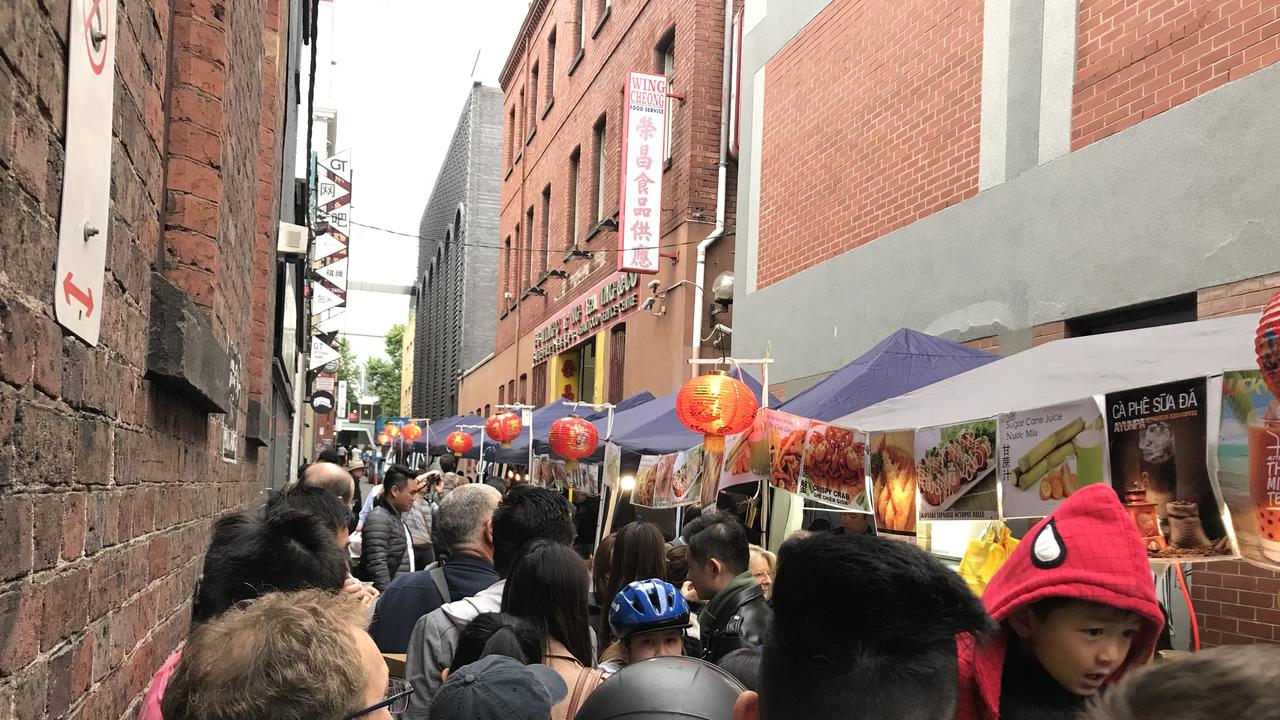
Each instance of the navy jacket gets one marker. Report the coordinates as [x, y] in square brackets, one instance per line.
[414, 594]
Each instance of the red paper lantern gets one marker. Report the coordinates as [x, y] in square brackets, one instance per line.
[383, 439]
[573, 438]
[1268, 345]
[412, 431]
[458, 442]
[503, 428]
[392, 431]
[716, 405]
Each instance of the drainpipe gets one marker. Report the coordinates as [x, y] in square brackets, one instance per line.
[700, 267]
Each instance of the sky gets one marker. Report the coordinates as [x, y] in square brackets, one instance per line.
[400, 73]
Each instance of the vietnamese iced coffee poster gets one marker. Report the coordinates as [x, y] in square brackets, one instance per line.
[1157, 442]
[955, 471]
[893, 480]
[1249, 464]
[1047, 454]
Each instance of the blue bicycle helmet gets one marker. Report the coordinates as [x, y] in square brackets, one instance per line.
[647, 606]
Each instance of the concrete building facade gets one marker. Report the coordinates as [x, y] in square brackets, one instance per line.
[116, 459]
[458, 259]
[1006, 173]
[563, 83]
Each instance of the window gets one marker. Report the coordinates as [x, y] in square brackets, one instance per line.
[511, 391]
[502, 395]
[524, 109]
[524, 388]
[515, 265]
[487, 410]
[540, 384]
[1177, 309]
[533, 99]
[598, 166]
[666, 52]
[575, 159]
[551, 68]
[545, 250]
[506, 271]
[511, 137]
[580, 15]
[528, 244]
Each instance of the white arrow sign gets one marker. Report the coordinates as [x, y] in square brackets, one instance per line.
[321, 354]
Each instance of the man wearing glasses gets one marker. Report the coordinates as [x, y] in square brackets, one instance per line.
[285, 656]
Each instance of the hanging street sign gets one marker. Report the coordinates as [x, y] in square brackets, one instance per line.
[321, 353]
[86, 180]
[329, 254]
[644, 108]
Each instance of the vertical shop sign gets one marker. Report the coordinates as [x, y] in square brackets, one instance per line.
[644, 119]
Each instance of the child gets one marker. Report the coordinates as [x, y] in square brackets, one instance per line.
[649, 618]
[1077, 608]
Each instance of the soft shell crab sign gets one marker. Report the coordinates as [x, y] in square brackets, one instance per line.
[640, 198]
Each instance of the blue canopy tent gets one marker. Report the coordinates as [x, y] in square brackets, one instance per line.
[518, 453]
[906, 360]
[541, 441]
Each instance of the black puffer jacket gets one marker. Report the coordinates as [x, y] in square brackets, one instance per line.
[384, 545]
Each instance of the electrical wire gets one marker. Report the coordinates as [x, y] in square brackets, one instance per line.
[455, 243]
[1191, 609]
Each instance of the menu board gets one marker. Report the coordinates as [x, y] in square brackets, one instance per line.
[1157, 443]
[746, 458]
[1249, 465]
[552, 472]
[955, 471]
[1048, 453]
[893, 478]
[834, 467]
[672, 480]
[785, 434]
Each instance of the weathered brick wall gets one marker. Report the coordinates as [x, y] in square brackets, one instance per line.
[1237, 298]
[870, 123]
[108, 482]
[626, 41]
[1134, 60]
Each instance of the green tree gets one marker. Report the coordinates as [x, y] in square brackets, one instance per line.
[384, 375]
[349, 370]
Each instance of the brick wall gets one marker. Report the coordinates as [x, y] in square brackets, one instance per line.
[1245, 296]
[1135, 60]
[109, 482]
[625, 41]
[870, 123]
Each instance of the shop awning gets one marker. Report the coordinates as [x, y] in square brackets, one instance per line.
[1071, 369]
[904, 361]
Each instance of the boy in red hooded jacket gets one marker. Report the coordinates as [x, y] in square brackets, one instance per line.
[1077, 607]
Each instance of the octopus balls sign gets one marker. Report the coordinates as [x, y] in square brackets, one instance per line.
[644, 119]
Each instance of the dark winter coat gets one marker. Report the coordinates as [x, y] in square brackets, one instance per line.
[384, 545]
[737, 617]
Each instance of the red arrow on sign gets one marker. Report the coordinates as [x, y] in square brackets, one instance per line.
[70, 289]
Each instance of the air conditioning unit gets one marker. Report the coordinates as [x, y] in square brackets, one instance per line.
[292, 239]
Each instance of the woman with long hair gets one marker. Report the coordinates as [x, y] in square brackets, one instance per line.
[497, 634]
[547, 587]
[639, 553]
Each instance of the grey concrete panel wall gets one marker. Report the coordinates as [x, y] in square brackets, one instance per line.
[457, 257]
[1179, 202]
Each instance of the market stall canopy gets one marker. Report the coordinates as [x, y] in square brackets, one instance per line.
[655, 429]
[906, 360]
[518, 453]
[542, 443]
[1071, 369]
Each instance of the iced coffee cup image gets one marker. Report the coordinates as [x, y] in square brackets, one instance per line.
[1264, 478]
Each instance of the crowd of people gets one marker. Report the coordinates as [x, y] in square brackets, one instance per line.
[498, 617]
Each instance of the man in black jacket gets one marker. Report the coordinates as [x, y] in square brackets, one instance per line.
[464, 529]
[737, 616]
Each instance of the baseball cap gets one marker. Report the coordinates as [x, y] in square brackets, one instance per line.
[497, 687]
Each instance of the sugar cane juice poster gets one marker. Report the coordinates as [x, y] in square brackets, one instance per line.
[1156, 438]
[1048, 453]
[955, 471]
[1249, 465]
[893, 480]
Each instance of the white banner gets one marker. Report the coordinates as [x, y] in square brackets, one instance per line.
[342, 399]
[640, 198]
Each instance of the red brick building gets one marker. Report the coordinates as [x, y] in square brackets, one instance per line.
[563, 84]
[1006, 174]
[116, 459]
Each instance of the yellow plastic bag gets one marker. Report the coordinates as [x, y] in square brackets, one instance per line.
[985, 555]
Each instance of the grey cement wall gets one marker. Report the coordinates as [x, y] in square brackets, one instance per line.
[458, 258]
[1185, 200]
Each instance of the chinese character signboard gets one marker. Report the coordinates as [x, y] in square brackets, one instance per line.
[640, 198]
[329, 256]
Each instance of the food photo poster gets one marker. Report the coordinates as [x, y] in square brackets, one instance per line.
[955, 471]
[1157, 443]
[785, 434]
[671, 480]
[1249, 465]
[1048, 453]
[834, 467]
[893, 480]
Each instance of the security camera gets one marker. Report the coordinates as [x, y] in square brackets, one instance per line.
[654, 285]
[648, 303]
